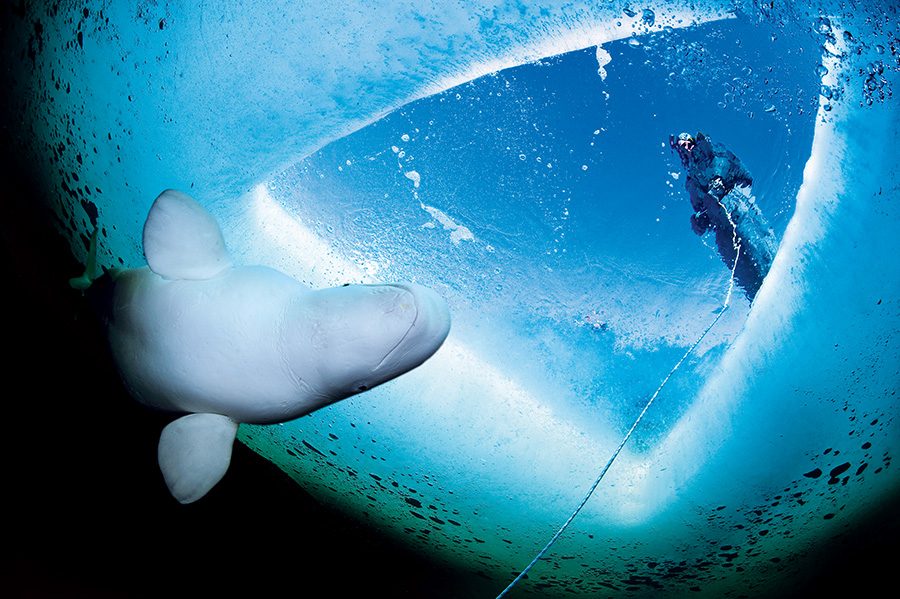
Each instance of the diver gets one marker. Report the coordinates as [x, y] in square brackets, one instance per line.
[719, 188]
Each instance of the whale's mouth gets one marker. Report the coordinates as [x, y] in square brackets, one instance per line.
[388, 357]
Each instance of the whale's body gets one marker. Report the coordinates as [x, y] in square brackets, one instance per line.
[253, 332]
[230, 344]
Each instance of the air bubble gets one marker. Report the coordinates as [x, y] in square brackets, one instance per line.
[414, 177]
[648, 17]
[821, 70]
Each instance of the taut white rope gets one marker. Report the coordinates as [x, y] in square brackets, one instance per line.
[553, 539]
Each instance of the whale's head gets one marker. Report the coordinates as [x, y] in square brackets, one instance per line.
[355, 337]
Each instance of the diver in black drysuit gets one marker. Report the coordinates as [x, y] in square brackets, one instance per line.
[713, 173]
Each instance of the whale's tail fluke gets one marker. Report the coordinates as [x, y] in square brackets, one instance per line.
[84, 282]
[194, 453]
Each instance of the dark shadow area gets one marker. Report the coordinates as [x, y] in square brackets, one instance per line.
[859, 562]
[86, 511]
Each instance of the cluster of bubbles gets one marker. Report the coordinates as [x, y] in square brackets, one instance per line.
[831, 94]
[876, 86]
[879, 38]
[648, 17]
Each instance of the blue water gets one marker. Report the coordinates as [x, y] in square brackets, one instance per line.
[482, 152]
[573, 197]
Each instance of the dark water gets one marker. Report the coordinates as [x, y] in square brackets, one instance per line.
[86, 513]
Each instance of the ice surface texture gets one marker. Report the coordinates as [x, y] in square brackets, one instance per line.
[792, 434]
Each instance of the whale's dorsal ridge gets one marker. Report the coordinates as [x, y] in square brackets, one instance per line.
[194, 453]
[182, 240]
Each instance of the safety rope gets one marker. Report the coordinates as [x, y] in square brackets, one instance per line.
[553, 539]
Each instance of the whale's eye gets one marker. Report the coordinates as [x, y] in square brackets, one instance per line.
[345, 285]
[362, 388]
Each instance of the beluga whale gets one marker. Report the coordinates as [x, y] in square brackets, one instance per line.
[223, 344]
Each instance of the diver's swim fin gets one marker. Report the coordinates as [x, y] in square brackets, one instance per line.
[194, 453]
[90, 269]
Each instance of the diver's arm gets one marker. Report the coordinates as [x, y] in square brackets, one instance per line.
[743, 178]
[695, 193]
[699, 219]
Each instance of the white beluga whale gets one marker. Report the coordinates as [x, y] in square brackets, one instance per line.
[191, 332]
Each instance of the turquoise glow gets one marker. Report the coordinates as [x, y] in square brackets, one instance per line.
[480, 151]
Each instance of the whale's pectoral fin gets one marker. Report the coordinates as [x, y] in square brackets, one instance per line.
[194, 454]
[182, 240]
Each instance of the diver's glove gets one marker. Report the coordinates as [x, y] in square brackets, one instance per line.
[700, 222]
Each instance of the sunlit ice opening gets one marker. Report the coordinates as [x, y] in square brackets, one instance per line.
[544, 202]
